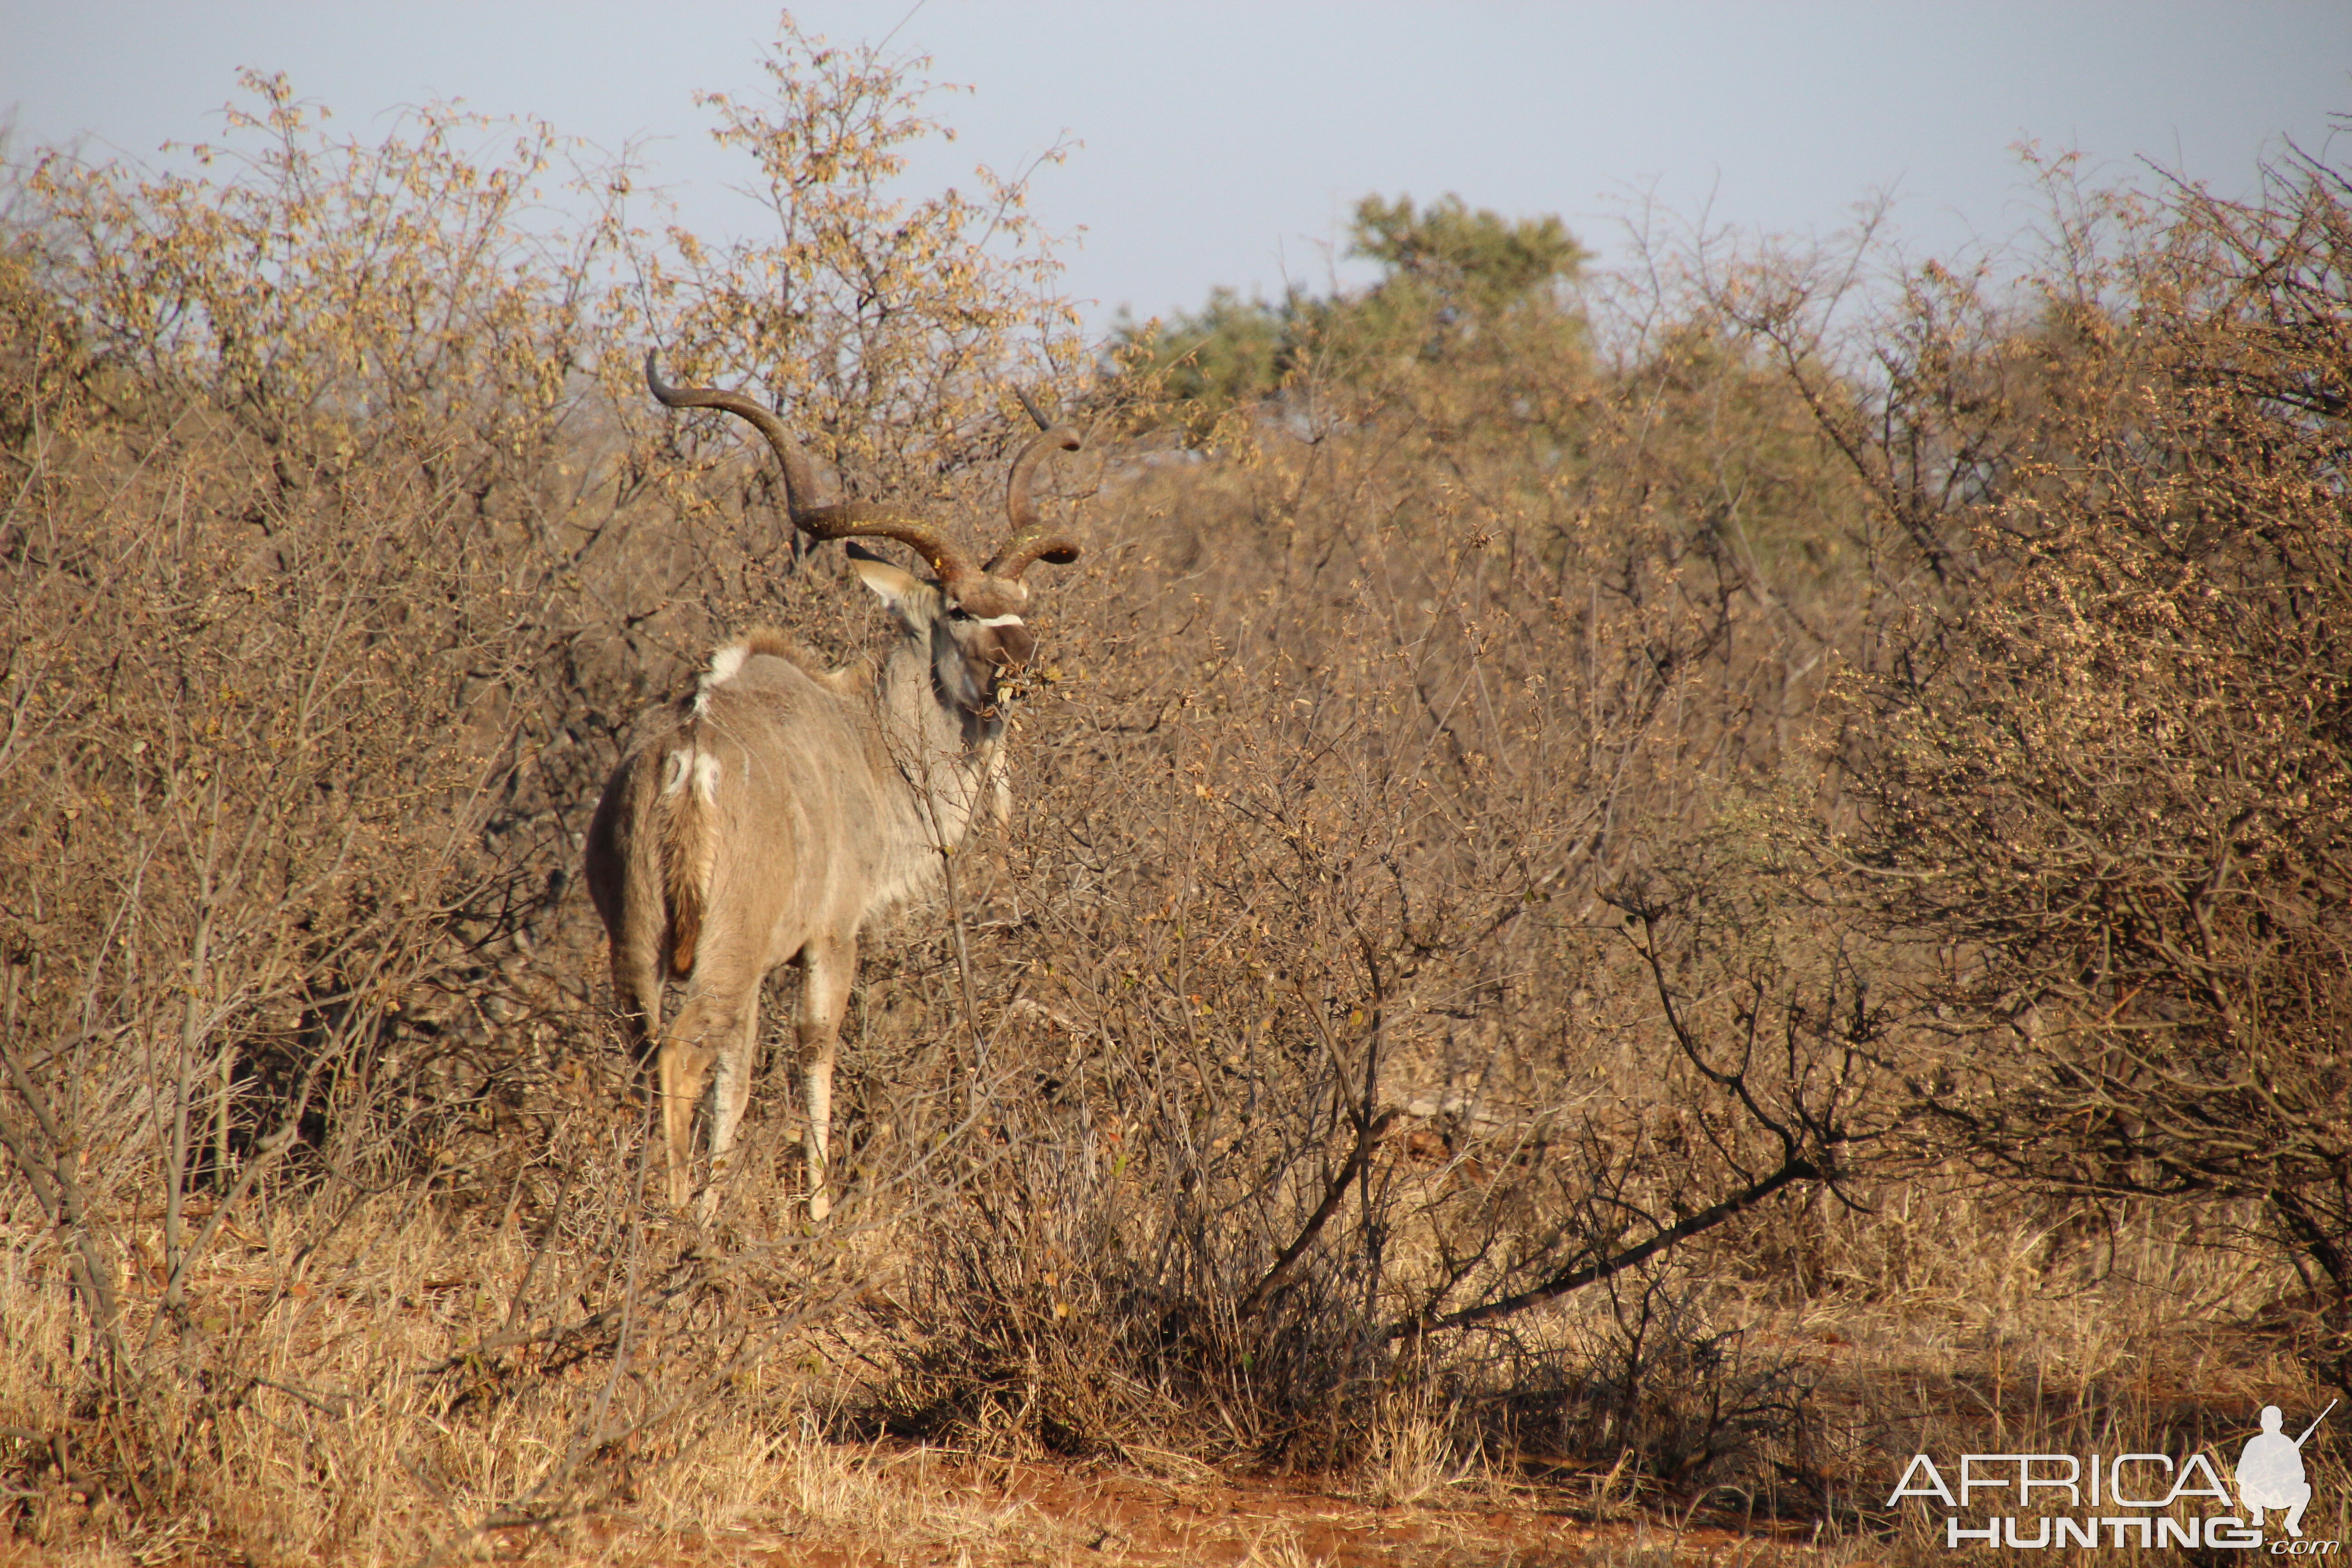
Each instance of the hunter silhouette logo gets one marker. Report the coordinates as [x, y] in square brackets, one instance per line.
[2136, 1501]
[2270, 1470]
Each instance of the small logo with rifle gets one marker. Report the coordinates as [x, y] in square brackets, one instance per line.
[2270, 1470]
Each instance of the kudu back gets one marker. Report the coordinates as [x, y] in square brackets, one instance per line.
[784, 805]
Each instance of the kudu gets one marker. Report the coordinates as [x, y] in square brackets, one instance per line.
[786, 804]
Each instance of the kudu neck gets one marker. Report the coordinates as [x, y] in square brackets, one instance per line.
[947, 751]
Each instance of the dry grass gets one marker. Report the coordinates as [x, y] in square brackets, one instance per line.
[350, 1445]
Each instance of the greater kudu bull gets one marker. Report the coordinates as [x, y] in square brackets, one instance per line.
[786, 804]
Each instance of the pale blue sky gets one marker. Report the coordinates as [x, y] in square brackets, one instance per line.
[1226, 142]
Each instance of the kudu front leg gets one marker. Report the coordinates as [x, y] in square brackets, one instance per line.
[825, 991]
[731, 1092]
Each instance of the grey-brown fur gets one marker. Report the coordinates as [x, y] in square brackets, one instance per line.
[785, 805]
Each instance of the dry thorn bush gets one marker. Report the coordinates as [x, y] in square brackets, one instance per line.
[1660, 888]
[336, 574]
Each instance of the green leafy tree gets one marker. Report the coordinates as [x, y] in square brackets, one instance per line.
[1462, 286]
[1465, 268]
[1228, 354]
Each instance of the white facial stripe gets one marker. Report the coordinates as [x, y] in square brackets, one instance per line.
[996, 620]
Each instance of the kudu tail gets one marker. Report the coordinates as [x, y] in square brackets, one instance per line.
[650, 857]
[683, 840]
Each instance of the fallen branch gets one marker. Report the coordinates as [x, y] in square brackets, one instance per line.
[1366, 1141]
[1559, 1285]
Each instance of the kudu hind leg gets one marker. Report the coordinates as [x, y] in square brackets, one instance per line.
[707, 1030]
[684, 1065]
[637, 998]
[824, 990]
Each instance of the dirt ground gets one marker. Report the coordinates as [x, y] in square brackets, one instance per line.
[1057, 1516]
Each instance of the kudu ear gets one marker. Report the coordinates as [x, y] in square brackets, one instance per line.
[896, 588]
